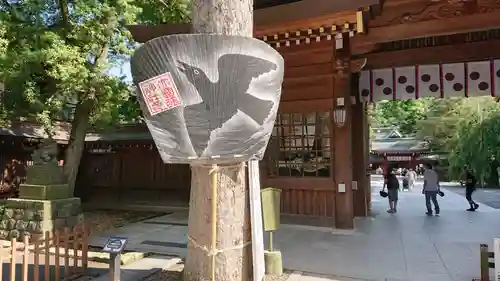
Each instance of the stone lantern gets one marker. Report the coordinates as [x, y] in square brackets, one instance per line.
[45, 202]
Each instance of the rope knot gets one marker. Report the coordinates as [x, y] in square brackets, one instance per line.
[214, 169]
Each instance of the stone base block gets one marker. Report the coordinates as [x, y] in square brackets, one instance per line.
[19, 217]
[45, 174]
[45, 192]
[273, 262]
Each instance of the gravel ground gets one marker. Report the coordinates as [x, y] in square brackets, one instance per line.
[285, 276]
[171, 274]
[102, 220]
[174, 274]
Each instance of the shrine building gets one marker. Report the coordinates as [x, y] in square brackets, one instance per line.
[389, 148]
[339, 56]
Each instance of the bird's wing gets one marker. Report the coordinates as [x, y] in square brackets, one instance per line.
[243, 68]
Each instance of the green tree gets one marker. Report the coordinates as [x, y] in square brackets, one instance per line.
[464, 128]
[55, 57]
[3, 49]
[440, 123]
[163, 11]
[475, 139]
[403, 114]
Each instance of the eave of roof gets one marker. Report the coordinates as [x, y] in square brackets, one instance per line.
[399, 145]
[62, 132]
[299, 13]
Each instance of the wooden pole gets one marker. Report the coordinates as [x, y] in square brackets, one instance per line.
[46, 268]
[75, 241]
[342, 135]
[214, 218]
[36, 259]
[2, 251]
[484, 263]
[13, 246]
[57, 243]
[271, 245]
[67, 266]
[26, 256]
[85, 248]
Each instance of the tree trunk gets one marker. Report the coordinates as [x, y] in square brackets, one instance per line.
[80, 124]
[226, 17]
[77, 141]
[234, 261]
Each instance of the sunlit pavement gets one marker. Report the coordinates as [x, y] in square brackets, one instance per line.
[391, 247]
[489, 197]
[403, 246]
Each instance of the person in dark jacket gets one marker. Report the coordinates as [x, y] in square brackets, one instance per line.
[392, 184]
[470, 187]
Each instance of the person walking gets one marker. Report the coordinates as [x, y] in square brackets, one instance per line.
[405, 183]
[411, 178]
[431, 190]
[392, 184]
[470, 187]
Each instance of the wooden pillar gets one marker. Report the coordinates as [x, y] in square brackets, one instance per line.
[360, 159]
[368, 190]
[344, 213]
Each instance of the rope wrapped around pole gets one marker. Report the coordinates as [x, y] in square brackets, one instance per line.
[210, 247]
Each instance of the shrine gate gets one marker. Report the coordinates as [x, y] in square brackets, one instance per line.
[340, 55]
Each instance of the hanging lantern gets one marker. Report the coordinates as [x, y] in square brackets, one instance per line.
[339, 113]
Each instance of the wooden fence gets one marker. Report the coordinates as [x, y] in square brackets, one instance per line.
[60, 255]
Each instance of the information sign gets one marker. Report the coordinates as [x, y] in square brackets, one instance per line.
[115, 245]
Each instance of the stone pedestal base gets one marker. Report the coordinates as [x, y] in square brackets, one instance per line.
[19, 217]
[44, 192]
[273, 262]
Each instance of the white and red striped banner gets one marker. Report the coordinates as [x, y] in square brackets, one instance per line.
[470, 79]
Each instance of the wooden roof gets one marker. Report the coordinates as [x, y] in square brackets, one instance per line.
[461, 47]
[410, 32]
[261, 4]
[62, 130]
[408, 19]
[386, 133]
[34, 131]
[390, 140]
[398, 32]
[273, 16]
[399, 145]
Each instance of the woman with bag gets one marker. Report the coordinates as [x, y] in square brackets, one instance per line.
[392, 184]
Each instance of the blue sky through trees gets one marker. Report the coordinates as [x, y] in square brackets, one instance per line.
[122, 70]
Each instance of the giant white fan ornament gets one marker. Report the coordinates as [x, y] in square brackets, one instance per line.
[206, 98]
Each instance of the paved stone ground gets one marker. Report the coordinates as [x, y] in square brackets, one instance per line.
[487, 196]
[405, 246]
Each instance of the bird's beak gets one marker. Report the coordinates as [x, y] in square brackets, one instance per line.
[181, 66]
